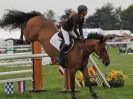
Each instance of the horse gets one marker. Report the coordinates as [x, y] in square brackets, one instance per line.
[36, 27]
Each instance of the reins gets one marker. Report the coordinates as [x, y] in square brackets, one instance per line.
[99, 58]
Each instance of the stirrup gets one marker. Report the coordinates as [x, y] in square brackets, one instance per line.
[59, 61]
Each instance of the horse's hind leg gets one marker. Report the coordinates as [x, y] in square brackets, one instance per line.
[88, 83]
[72, 83]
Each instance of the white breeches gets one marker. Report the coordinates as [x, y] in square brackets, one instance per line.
[65, 36]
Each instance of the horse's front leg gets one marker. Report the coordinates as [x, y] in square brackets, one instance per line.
[72, 83]
[88, 83]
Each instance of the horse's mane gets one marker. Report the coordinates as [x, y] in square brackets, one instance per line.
[96, 36]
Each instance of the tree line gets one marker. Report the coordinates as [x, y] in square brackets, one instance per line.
[107, 17]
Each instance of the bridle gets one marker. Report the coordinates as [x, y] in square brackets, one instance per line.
[100, 57]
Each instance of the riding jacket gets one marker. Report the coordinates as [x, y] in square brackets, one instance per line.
[73, 23]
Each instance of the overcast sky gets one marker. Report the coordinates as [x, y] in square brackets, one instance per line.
[58, 6]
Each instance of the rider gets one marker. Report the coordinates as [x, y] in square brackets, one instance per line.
[70, 28]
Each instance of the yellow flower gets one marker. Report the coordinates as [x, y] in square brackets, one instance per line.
[117, 76]
[79, 76]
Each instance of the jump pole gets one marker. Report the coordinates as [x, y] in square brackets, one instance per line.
[67, 87]
[37, 68]
[66, 74]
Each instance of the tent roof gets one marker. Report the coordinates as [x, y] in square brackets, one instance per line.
[7, 34]
[106, 32]
[118, 32]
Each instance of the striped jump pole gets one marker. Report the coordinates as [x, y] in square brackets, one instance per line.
[37, 68]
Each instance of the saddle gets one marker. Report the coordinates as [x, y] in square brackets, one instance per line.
[62, 42]
[57, 41]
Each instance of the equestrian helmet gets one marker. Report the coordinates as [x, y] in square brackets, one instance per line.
[82, 8]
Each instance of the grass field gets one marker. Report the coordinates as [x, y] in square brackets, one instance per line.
[53, 82]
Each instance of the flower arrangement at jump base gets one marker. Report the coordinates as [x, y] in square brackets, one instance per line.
[81, 81]
[116, 78]
[80, 78]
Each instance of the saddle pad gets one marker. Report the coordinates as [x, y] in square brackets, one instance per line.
[56, 41]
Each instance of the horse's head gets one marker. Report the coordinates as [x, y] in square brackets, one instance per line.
[100, 48]
[101, 51]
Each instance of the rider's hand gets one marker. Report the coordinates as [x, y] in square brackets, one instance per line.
[81, 37]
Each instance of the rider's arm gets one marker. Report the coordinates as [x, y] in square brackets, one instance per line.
[75, 27]
[80, 28]
[75, 30]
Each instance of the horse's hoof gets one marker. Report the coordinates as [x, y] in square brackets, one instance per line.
[74, 98]
[96, 97]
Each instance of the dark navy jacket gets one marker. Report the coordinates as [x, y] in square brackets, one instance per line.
[73, 23]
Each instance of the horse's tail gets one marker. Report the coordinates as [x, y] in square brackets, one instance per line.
[15, 19]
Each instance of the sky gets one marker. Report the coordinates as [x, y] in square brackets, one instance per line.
[58, 6]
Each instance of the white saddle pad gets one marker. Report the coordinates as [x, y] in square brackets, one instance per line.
[56, 41]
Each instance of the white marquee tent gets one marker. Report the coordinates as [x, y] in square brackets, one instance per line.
[118, 32]
[106, 32]
[15, 34]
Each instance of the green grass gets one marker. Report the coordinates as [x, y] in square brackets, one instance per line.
[53, 82]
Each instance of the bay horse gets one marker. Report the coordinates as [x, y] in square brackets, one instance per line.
[38, 28]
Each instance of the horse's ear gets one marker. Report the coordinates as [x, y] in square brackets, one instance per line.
[109, 37]
[104, 39]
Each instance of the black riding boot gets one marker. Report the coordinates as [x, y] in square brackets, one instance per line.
[59, 57]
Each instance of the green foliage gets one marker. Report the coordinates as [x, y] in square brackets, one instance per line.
[105, 17]
[109, 18]
[50, 15]
[127, 18]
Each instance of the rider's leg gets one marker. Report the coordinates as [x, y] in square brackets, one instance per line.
[60, 55]
[65, 36]
[73, 35]
[61, 52]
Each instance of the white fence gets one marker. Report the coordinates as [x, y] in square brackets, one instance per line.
[16, 48]
[12, 57]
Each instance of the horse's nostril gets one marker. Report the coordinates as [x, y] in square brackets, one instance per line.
[106, 64]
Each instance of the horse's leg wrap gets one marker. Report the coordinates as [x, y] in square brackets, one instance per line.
[73, 94]
[72, 83]
[88, 83]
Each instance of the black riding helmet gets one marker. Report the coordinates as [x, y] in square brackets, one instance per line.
[82, 8]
